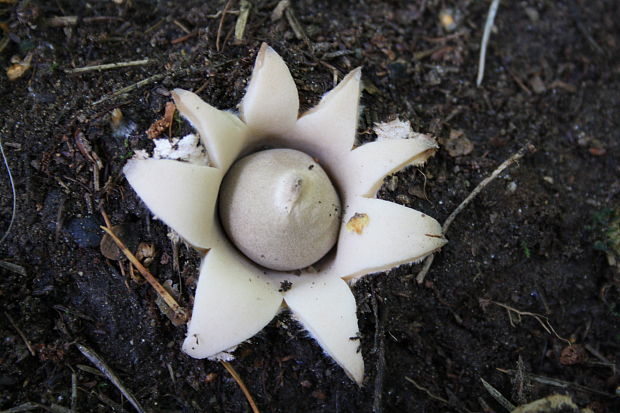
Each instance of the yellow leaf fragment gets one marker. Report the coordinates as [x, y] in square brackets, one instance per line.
[19, 67]
[358, 222]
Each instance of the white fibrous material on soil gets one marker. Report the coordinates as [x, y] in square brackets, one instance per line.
[397, 129]
[187, 148]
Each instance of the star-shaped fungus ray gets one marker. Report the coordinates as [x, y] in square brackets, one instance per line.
[325, 306]
[363, 169]
[222, 133]
[271, 103]
[183, 195]
[328, 130]
[377, 235]
[234, 301]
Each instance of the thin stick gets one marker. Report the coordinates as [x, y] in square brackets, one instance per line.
[74, 392]
[488, 26]
[142, 83]
[26, 407]
[219, 27]
[514, 158]
[179, 313]
[108, 66]
[17, 269]
[21, 334]
[379, 346]
[107, 371]
[427, 391]
[556, 382]
[106, 218]
[241, 384]
[14, 194]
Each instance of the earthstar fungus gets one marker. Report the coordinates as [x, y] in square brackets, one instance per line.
[236, 297]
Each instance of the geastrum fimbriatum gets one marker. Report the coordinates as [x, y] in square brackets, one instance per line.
[288, 224]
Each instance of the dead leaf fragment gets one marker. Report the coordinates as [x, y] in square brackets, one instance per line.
[19, 67]
[160, 126]
[458, 144]
[358, 222]
[573, 354]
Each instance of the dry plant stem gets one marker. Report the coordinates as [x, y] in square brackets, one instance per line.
[108, 66]
[242, 385]
[17, 269]
[380, 353]
[219, 27]
[514, 158]
[498, 396]
[115, 407]
[179, 313]
[14, 194]
[488, 26]
[427, 391]
[542, 320]
[21, 334]
[142, 83]
[25, 407]
[299, 31]
[556, 382]
[103, 367]
[74, 392]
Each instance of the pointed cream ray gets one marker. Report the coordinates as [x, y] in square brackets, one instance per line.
[377, 235]
[271, 103]
[325, 306]
[181, 194]
[233, 302]
[367, 165]
[222, 133]
[328, 130]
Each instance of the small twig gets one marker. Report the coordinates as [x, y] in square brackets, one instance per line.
[74, 392]
[13, 192]
[514, 158]
[115, 407]
[556, 382]
[542, 320]
[142, 83]
[107, 371]
[379, 345]
[21, 334]
[604, 361]
[488, 26]
[65, 21]
[17, 269]
[427, 391]
[298, 30]
[498, 396]
[241, 384]
[181, 26]
[179, 313]
[106, 218]
[219, 27]
[89, 369]
[108, 66]
[184, 37]
[26, 407]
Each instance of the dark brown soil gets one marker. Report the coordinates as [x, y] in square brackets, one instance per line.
[533, 240]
